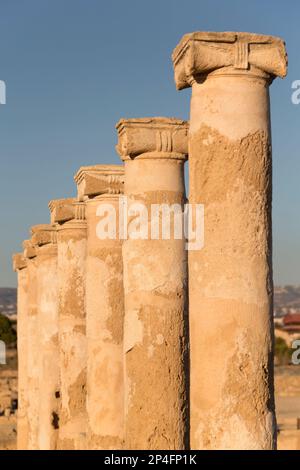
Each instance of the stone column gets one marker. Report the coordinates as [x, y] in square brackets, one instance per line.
[71, 240]
[33, 348]
[230, 279]
[100, 187]
[155, 281]
[44, 239]
[20, 266]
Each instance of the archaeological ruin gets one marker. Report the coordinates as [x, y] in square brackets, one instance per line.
[128, 339]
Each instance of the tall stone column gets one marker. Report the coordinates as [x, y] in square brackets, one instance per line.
[71, 241]
[44, 239]
[230, 279]
[20, 266]
[155, 281]
[33, 347]
[100, 186]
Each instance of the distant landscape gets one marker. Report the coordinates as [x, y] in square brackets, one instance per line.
[286, 298]
[8, 300]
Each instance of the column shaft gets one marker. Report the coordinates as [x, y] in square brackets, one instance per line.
[20, 265]
[49, 352]
[105, 316]
[231, 278]
[72, 334]
[33, 353]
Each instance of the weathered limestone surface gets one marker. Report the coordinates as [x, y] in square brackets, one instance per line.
[71, 243]
[33, 350]
[100, 186]
[20, 266]
[230, 280]
[44, 240]
[155, 283]
[62, 210]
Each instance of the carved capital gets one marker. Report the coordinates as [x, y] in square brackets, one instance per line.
[201, 53]
[43, 234]
[166, 137]
[99, 179]
[79, 211]
[61, 210]
[65, 210]
[19, 262]
[29, 249]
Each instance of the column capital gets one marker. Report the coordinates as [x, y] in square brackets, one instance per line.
[99, 179]
[61, 210]
[66, 210]
[43, 234]
[78, 220]
[29, 249]
[19, 262]
[157, 137]
[202, 53]
[79, 211]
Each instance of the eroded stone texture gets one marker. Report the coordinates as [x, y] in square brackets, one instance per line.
[20, 266]
[33, 350]
[230, 279]
[62, 210]
[155, 284]
[44, 240]
[71, 241]
[100, 186]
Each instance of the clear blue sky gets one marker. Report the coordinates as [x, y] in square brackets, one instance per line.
[74, 67]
